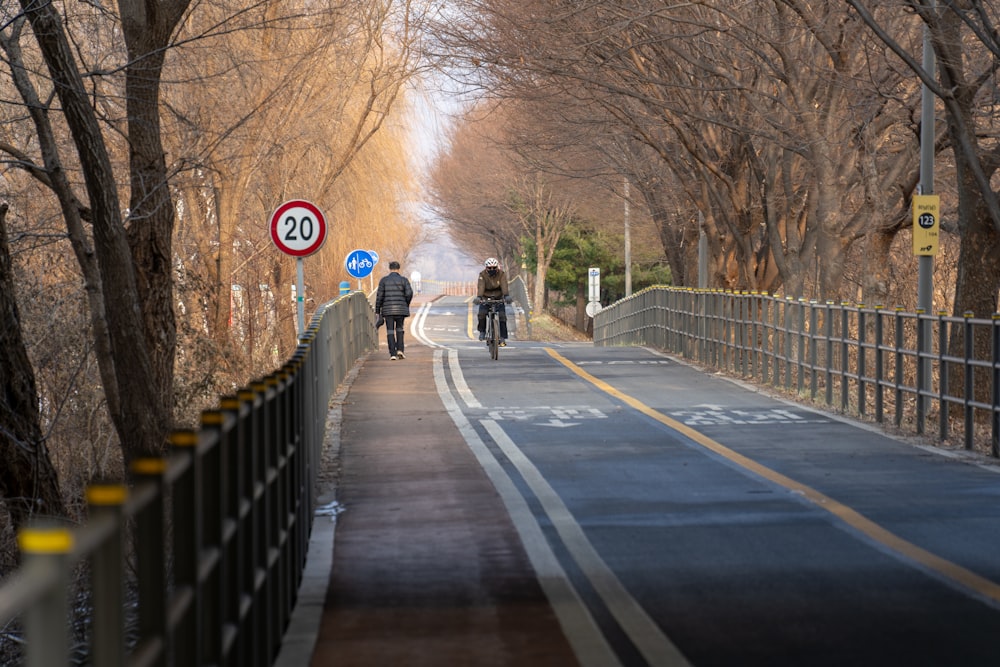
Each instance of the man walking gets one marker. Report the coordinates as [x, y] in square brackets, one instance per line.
[392, 303]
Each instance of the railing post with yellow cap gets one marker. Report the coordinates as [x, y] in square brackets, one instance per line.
[106, 502]
[249, 531]
[899, 376]
[845, 356]
[262, 613]
[969, 391]
[995, 415]
[277, 489]
[861, 362]
[801, 345]
[299, 455]
[47, 548]
[187, 508]
[814, 338]
[151, 566]
[234, 565]
[923, 369]
[212, 586]
[879, 363]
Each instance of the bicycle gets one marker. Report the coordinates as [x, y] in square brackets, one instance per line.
[493, 307]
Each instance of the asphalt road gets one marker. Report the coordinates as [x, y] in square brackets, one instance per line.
[675, 517]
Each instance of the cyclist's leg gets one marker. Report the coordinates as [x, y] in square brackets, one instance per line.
[482, 321]
[502, 312]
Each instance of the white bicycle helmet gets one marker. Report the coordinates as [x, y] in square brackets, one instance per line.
[492, 263]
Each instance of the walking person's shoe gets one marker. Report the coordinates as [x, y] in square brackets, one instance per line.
[392, 358]
[400, 355]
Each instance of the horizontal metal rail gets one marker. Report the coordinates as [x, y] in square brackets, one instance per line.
[867, 362]
[219, 526]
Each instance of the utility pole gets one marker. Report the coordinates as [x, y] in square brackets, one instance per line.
[925, 268]
[628, 244]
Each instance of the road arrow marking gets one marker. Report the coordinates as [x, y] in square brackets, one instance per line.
[558, 423]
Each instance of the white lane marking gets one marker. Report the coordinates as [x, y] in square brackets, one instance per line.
[459, 380]
[654, 646]
[418, 329]
[582, 632]
[417, 326]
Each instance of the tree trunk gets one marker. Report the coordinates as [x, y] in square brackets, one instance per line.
[140, 420]
[540, 272]
[28, 481]
[975, 288]
[147, 29]
[581, 306]
[876, 278]
[73, 212]
[979, 256]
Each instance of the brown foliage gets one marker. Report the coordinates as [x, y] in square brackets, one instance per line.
[259, 104]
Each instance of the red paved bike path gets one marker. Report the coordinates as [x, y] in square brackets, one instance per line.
[427, 566]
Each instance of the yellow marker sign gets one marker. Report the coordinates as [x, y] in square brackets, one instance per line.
[926, 223]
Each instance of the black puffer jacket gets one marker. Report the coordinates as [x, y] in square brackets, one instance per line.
[393, 296]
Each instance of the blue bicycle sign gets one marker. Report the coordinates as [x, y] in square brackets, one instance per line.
[359, 263]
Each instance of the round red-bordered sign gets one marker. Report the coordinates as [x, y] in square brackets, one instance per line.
[298, 228]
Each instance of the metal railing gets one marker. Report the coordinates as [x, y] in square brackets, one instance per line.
[868, 362]
[220, 525]
[449, 287]
[519, 294]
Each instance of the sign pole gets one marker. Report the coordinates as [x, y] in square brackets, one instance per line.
[300, 295]
[925, 265]
[594, 291]
[298, 228]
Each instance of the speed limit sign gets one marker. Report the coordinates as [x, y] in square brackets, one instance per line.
[298, 228]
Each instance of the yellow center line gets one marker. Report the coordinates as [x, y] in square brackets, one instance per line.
[473, 322]
[945, 568]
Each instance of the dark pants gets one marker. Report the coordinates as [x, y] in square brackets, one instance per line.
[394, 333]
[501, 312]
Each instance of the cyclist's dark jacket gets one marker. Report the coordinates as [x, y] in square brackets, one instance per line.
[493, 287]
[393, 296]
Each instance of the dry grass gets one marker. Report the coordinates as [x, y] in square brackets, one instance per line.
[545, 327]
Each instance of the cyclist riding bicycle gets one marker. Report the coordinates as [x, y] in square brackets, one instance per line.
[492, 285]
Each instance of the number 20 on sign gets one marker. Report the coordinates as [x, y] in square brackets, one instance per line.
[298, 228]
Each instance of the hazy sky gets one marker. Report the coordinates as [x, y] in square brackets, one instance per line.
[438, 259]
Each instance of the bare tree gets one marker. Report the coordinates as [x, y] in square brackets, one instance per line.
[967, 49]
[494, 198]
[313, 108]
[28, 482]
[753, 107]
[543, 213]
[129, 258]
